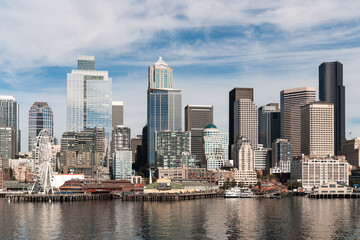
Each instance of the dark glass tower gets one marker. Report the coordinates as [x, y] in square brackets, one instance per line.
[331, 90]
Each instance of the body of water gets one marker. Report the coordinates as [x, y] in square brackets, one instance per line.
[286, 218]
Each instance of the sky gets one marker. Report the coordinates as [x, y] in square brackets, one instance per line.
[213, 46]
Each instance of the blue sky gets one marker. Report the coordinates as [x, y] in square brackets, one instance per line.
[213, 46]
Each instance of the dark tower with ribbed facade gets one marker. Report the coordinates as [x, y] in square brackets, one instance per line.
[331, 89]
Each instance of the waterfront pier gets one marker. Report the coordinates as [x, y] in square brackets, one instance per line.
[332, 195]
[164, 197]
[57, 197]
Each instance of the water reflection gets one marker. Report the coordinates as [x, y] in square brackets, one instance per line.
[287, 218]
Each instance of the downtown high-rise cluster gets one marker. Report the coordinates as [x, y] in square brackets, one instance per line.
[278, 138]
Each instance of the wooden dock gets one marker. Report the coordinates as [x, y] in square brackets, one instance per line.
[167, 197]
[330, 196]
[57, 197]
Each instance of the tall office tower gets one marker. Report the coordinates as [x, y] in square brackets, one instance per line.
[117, 113]
[290, 101]
[89, 97]
[331, 89]
[136, 144]
[170, 147]
[317, 129]
[269, 124]
[164, 105]
[246, 121]
[236, 94]
[7, 142]
[215, 148]
[9, 116]
[40, 117]
[197, 117]
[120, 138]
[282, 154]
[83, 152]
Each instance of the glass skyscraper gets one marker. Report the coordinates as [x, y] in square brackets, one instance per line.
[215, 148]
[40, 117]
[164, 105]
[89, 97]
[9, 116]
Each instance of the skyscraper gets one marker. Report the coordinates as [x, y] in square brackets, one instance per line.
[331, 89]
[235, 94]
[7, 142]
[290, 101]
[120, 138]
[117, 113]
[89, 97]
[282, 155]
[269, 124]
[215, 148]
[9, 116]
[164, 105]
[40, 117]
[317, 129]
[246, 121]
[197, 117]
[245, 161]
[170, 148]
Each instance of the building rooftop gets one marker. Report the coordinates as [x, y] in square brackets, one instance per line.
[301, 89]
[86, 58]
[161, 63]
[7, 98]
[210, 126]
[117, 103]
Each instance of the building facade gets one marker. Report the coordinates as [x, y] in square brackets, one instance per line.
[9, 116]
[317, 129]
[197, 117]
[282, 155]
[315, 171]
[117, 113]
[351, 150]
[89, 98]
[136, 145]
[262, 158]
[121, 138]
[7, 142]
[122, 165]
[290, 102]
[246, 121]
[269, 124]
[83, 152]
[215, 148]
[40, 117]
[172, 149]
[331, 89]
[236, 94]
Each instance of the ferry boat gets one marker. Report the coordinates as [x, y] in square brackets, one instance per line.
[233, 192]
[246, 193]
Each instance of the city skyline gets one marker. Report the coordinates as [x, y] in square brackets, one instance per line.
[265, 47]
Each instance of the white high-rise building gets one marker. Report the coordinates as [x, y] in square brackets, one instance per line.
[215, 148]
[89, 97]
[245, 162]
[316, 171]
[317, 129]
[122, 165]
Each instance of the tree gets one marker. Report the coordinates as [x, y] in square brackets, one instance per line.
[233, 183]
[240, 184]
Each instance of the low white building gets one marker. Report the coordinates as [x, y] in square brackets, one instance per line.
[332, 188]
[246, 177]
[317, 171]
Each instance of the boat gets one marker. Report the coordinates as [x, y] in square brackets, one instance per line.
[246, 193]
[233, 192]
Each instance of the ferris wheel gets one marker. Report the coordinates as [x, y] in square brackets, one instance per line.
[44, 162]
